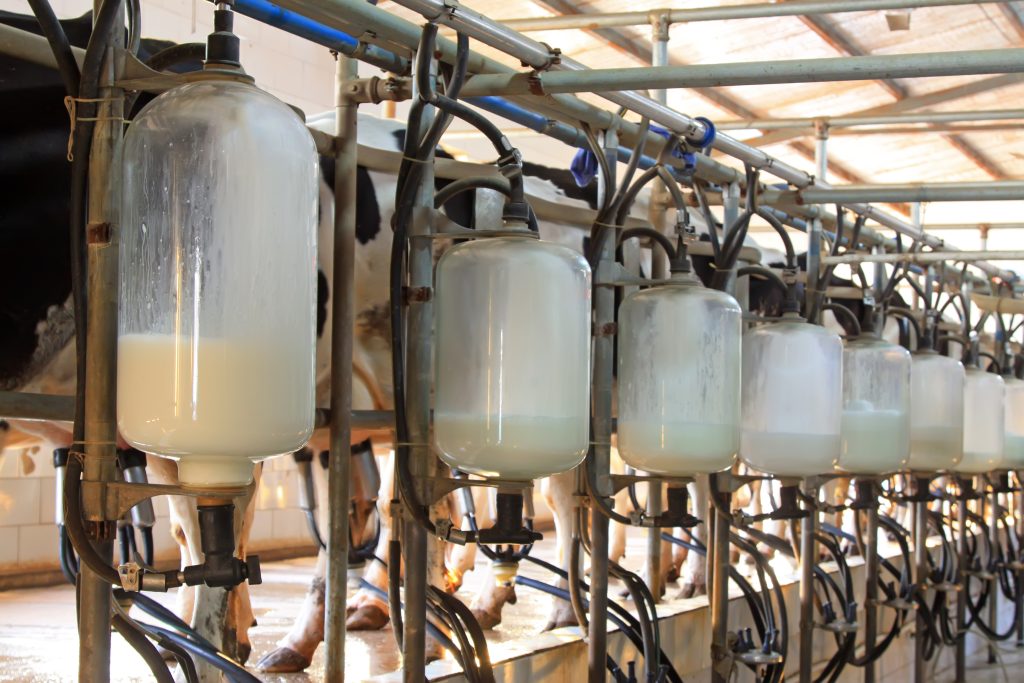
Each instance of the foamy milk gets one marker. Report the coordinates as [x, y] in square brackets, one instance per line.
[666, 447]
[517, 447]
[936, 447]
[874, 441]
[789, 455]
[216, 405]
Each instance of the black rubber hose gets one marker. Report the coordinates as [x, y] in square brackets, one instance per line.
[148, 546]
[158, 611]
[136, 637]
[394, 567]
[73, 524]
[134, 12]
[664, 242]
[766, 274]
[314, 529]
[66, 555]
[846, 313]
[67, 65]
[231, 669]
[434, 632]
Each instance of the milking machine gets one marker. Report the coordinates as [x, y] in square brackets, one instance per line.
[194, 365]
[200, 379]
[365, 485]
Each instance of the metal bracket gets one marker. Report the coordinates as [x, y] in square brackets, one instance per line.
[839, 626]
[439, 487]
[443, 227]
[613, 274]
[133, 74]
[621, 481]
[119, 497]
[375, 90]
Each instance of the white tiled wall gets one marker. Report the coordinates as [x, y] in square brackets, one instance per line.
[291, 68]
[28, 536]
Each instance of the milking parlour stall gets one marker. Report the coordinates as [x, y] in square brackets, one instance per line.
[532, 341]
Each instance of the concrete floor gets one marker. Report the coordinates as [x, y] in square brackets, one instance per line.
[38, 640]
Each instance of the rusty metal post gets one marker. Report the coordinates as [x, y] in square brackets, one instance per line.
[342, 321]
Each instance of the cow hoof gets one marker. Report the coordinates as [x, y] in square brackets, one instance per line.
[560, 622]
[692, 590]
[367, 618]
[672, 576]
[243, 652]
[283, 660]
[487, 620]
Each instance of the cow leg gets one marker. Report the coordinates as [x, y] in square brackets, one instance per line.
[559, 492]
[367, 611]
[696, 567]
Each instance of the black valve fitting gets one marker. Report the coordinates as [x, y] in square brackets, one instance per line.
[508, 526]
[789, 507]
[865, 494]
[678, 512]
[221, 569]
[222, 46]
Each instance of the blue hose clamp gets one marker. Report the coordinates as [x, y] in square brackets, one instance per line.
[709, 132]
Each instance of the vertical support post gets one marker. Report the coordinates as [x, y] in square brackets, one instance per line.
[921, 578]
[719, 597]
[960, 651]
[871, 572]
[821, 150]
[811, 294]
[100, 329]
[604, 357]
[659, 196]
[1020, 558]
[994, 591]
[730, 212]
[808, 556]
[343, 309]
[419, 329]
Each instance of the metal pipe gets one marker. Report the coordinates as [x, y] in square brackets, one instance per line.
[808, 553]
[960, 651]
[994, 591]
[342, 322]
[997, 190]
[591, 21]
[600, 454]
[270, 13]
[921, 578]
[31, 47]
[830, 69]
[834, 122]
[721, 664]
[376, 25]
[821, 151]
[659, 269]
[925, 257]
[539, 56]
[100, 461]
[871, 587]
[15, 405]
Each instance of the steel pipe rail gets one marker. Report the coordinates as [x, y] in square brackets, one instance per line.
[18, 405]
[538, 55]
[925, 257]
[363, 19]
[1005, 190]
[857, 121]
[831, 69]
[699, 14]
